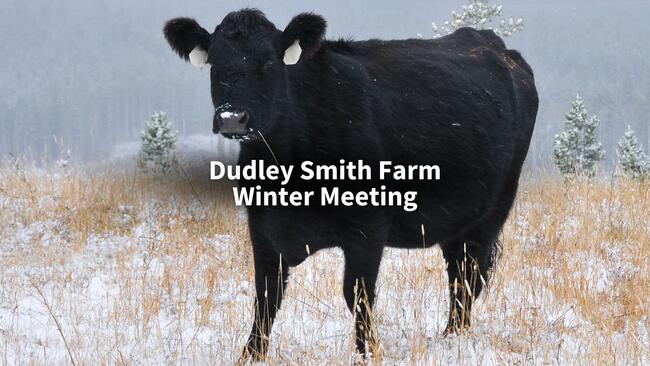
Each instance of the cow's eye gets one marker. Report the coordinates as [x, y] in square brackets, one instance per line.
[267, 65]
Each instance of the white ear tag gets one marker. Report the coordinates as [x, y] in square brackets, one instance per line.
[292, 54]
[198, 57]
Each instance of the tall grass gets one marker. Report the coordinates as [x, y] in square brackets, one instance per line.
[114, 267]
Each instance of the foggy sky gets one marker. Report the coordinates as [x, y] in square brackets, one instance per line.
[91, 72]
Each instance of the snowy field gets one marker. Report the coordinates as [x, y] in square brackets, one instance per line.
[113, 267]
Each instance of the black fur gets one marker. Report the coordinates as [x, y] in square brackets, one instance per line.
[463, 101]
[241, 24]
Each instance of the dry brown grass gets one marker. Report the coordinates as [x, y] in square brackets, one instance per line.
[150, 270]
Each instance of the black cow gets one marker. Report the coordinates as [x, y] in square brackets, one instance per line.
[463, 102]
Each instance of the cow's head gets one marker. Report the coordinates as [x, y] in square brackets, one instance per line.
[248, 59]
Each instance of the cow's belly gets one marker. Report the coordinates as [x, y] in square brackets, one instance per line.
[296, 233]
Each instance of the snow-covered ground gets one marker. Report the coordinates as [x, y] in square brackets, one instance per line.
[117, 268]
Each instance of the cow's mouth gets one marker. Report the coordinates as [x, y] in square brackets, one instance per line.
[250, 136]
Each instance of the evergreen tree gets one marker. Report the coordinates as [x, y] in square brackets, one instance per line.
[593, 151]
[577, 149]
[633, 160]
[158, 144]
[479, 14]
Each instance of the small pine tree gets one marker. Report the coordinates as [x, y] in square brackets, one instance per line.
[158, 144]
[479, 14]
[633, 160]
[593, 151]
[577, 149]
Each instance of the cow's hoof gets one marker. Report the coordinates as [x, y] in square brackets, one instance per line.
[454, 328]
[254, 351]
[249, 355]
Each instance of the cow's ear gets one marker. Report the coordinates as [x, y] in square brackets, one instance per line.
[303, 36]
[188, 39]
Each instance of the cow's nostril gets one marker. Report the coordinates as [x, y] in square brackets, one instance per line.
[243, 118]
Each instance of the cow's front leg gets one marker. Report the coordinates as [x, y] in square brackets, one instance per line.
[361, 269]
[271, 273]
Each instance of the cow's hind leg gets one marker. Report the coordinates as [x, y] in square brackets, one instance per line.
[361, 269]
[468, 266]
[271, 273]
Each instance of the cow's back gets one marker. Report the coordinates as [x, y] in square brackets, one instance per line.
[464, 102]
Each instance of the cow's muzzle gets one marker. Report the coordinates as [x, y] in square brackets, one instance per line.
[231, 123]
